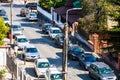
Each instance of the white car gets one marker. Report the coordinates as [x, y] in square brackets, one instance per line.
[16, 28]
[30, 52]
[32, 16]
[41, 65]
[53, 74]
[54, 31]
[21, 41]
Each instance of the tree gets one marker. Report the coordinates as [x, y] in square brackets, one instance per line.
[47, 4]
[3, 31]
[96, 12]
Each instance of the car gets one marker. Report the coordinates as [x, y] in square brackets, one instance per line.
[30, 52]
[16, 28]
[6, 19]
[101, 71]
[59, 40]
[86, 59]
[46, 27]
[2, 12]
[53, 74]
[53, 32]
[31, 5]
[32, 16]
[41, 65]
[24, 11]
[21, 41]
[74, 51]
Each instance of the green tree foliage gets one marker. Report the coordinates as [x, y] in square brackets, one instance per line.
[3, 31]
[47, 4]
[96, 12]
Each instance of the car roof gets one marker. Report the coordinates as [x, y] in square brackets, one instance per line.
[54, 28]
[42, 60]
[20, 36]
[30, 46]
[47, 24]
[54, 70]
[15, 23]
[100, 64]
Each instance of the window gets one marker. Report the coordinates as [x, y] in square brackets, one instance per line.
[33, 50]
[43, 65]
[56, 76]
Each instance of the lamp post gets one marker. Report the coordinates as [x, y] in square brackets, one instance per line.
[11, 5]
[65, 47]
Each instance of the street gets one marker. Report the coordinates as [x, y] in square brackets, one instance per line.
[45, 45]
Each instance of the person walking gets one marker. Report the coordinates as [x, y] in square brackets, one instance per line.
[70, 30]
[15, 50]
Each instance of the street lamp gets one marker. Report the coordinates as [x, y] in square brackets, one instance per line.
[65, 47]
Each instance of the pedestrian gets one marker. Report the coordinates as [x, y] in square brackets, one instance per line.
[70, 30]
[15, 50]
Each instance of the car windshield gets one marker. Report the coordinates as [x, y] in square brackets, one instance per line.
[48, 26]
[89, 58]
[43, 65]
[77, 50]
[6, 19]
[16, 27]
[56, 31]
[33, 14]
[32, 50]
[22, 40]
[55, 76]
[105, 70]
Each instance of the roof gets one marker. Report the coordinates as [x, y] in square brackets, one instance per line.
[42, 60]
[100, 64]
[15, 23]
[20, 36]
[30, 46]
[55, 28]
[73, 15]
[54, 70]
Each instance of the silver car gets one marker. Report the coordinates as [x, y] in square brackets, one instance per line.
[101, 71]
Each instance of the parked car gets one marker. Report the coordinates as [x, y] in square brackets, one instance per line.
[30, 52]
[16, 28]
[31, 5]
[86, 59]
[41, 65]
[24, 11]
[46, 27]
[6, 19]
[32, 16]
[53, 74]
[101, 71]
[2, 12]
[59, 40]
[74, 51]
[21, 41]
[54, 31]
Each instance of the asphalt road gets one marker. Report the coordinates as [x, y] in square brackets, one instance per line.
[46, 46]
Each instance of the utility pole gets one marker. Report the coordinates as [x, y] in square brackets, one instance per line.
[11, 5]
[65, 52]
[65, 47]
